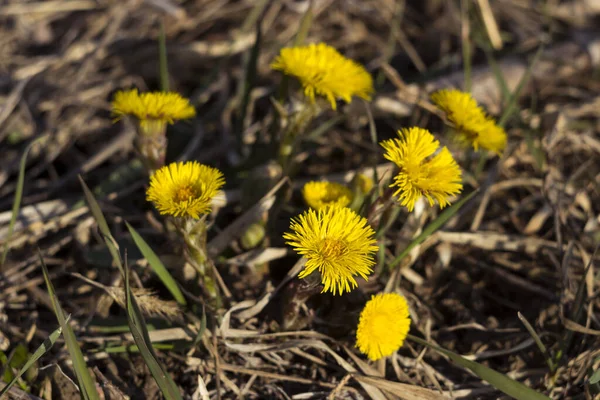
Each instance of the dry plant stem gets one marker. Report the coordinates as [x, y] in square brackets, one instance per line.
[296, 295]
[380, 364]
[194, 235]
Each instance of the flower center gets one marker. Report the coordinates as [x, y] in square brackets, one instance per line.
[380, 327]
[332, 248]
[184, 193]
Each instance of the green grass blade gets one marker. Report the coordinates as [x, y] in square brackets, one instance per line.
[102, 225]
[595, 378]
[162, 59]
[374, 138]
[304, 26]
[137, 325]
[466, 45]
[538, 341]
[18, 197]
[43, 349]
[324, 127]
[157, 266]
[433, 226]
[511, 107]
[198, 337]
[496, 379]
[254, 15]
[132, 348]
[497, 73]
[248, 82]
[87, 384]
[139, 331]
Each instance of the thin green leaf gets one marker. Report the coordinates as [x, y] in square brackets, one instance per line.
[496, 379]
[43, 349]
[198, 337]
[324, 127]
[512, 103]
[390, 48]
[254, 15]
[139, 331]
[162, 59]
[102, 225]
[535, 150]
[87, 384]
[157, 266]
[497, 73]
[433, 226]
[595, 378]
[304, 25]
[466, 44]
[249, 80]
[18, 196]
[538, 341]
[132, 348]
[374, 138]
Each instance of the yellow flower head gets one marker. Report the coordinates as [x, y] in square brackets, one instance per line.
[335, 241]
[493, 137]
[151, 108]
[471, 124]
[423, 172]
[322, 194]
[323, 71]
[383, 325]
[364, 183]
[184, 189]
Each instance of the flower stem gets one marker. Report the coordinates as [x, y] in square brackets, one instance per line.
[194, 236]
[152, 150]
[297, 124]
[296, 295]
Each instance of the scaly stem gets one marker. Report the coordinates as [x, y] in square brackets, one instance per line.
[297, 124]
[194, 235]
[296, 295]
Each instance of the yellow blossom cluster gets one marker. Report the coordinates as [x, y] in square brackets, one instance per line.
[470, 123]
[323, 71]
[336, 242]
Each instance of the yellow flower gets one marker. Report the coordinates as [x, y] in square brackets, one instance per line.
[423, 172]
[184, 189]
[492, 138]
[151, 109]
[335, 241]
[323, 71]
[471, 124]
[364, 183]
[321, 194]
[383, 325]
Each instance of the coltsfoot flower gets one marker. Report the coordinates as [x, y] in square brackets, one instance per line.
[323, 71]
[424, 171]
[184, 189]
[364, 183]
[335, 241]
[383, 325]
[472, 126]
[322, 194]
[493, 137]
[153, 110]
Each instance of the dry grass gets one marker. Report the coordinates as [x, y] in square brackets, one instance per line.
[521, 246]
